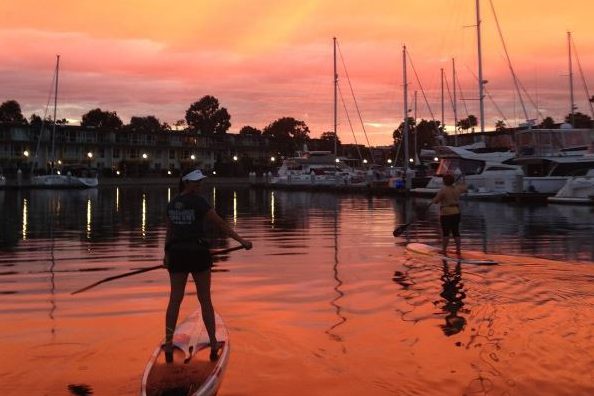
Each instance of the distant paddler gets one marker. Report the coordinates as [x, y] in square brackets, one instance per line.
[448, 199]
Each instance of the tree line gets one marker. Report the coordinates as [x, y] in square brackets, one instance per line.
[205, 117]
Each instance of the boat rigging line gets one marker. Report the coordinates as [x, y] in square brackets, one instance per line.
[350, 123]
[588, 97]
[346, 73]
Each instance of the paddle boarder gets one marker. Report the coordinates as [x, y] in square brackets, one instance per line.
[186, 252]
[449, 211]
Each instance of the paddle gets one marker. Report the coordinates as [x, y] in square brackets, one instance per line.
[400, 229]
[214, 252]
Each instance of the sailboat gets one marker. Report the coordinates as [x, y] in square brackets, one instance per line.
[67, 177]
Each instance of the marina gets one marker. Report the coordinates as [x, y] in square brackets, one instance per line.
[303, 305]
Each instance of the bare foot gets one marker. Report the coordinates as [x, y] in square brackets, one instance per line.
[214, 351]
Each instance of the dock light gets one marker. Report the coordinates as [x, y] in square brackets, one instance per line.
[59, 162]
[58, 172]
[272, 159]
[337, 160]
[169, 172]
[411, 160]
[118, 172]
[90, 155]
[214, 172]
[364, 161]
[144, 155]
[234, 158]
[435, 159]
[192, 157]
[26, 153]
[389, 161]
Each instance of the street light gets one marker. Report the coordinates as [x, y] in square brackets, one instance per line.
[337, 160]
[169, 172]
[364, 161]
[26, 153]
[435, 159]
[234, 158]
[192, 157]
[272, 159]
[144, 155]
[90, 155]
[389, 161]
[411, 160]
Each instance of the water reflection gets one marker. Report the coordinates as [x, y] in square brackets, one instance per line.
[454, 294]
[337, 287]
[25, 218]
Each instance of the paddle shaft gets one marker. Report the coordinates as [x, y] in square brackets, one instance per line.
[214, 252]
[400, 229]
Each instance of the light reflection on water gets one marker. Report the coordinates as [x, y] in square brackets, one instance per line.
[327, 301]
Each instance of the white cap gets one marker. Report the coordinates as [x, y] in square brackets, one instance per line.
[196, 175]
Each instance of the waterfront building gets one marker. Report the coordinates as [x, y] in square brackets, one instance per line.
[129, 153]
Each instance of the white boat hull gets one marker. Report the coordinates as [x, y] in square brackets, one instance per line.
[64, 181]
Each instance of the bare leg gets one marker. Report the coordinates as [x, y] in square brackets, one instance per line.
[202, 280]
[176, 295]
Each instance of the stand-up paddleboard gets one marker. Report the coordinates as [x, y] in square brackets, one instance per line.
[191, 372]
[427, 250]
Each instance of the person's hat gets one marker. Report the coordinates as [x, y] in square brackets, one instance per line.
[195, 175]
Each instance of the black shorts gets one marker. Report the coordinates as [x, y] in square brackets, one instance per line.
[450, 224]
[188, 256]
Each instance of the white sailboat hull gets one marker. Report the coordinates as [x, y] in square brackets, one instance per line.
[64, 181]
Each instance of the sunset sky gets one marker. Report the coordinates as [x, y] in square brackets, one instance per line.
[268, 59]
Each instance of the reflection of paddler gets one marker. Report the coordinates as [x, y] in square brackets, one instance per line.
[453, 293]
[448, 199]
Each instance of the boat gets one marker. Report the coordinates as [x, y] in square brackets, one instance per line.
[190, 373]
[485, 173]
[72, 176]
[2, 180]
[468, 257]
[577, 190]
[550, 157]
[317, 167]
[68, 177]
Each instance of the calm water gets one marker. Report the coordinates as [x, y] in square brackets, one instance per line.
[327, 302]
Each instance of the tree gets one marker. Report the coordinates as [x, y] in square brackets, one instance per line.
[180, 125]
[10, 112]
[207, 118]
[467, 123]
[148, 124]
[327, 141]
[500, 126]
[103, 120]
[579, 120]
[249, 130]
[288, 134]
[425, 134]
[547, 123]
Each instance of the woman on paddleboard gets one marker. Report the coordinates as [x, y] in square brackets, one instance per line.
[449, 212]
[187, 252]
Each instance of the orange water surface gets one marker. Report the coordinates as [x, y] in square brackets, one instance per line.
[327, 303]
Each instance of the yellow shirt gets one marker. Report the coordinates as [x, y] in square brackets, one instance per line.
[448, 199]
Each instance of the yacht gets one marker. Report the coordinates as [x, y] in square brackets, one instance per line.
[577, 190]
[485, 173]
[550, 157]
[317, 167]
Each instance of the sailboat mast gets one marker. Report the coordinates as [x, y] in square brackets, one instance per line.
[442, 103]
[480, 66]
[335, 100]
[405, 129]
[571, 97]
[455, 102]
[55, 111]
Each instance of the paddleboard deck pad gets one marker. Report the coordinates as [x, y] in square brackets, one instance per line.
[467, 257]
[191, 372]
